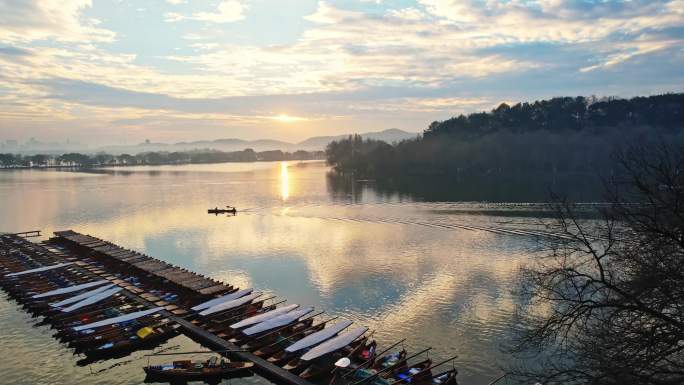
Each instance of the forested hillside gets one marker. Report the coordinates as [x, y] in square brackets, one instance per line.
[560, 135]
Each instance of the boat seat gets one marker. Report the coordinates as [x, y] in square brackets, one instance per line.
[212, 362]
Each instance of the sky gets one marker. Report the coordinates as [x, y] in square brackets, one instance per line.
[122, 71]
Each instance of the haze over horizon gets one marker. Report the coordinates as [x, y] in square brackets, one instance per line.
[119, 71]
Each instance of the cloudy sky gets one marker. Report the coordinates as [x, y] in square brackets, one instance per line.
[120, 71]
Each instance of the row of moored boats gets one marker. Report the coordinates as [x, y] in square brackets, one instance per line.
[96, 311]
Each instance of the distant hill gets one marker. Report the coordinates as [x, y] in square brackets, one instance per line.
[231, 144]
[390, 136]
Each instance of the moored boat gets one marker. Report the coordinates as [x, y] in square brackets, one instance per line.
[186, 370]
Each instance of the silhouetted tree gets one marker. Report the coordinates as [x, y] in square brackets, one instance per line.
[605, 305]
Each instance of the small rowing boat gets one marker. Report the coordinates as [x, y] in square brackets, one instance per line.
[227, 210]
[212, 369]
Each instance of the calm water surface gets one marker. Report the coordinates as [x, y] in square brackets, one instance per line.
[400, 266]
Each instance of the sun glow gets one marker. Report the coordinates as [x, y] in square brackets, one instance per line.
[285, 118]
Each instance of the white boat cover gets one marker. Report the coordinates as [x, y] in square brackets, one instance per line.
[71, 289]
[227, 297]
[39, 269]
[121, 318]
[318, 337]
[334, 344]
[278, 321]
[81, 296]
[92, 299]
[230, 304]
[263, 316]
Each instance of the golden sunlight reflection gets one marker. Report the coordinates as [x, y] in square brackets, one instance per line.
[284, 182]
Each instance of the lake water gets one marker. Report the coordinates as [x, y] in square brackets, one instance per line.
[402, 266]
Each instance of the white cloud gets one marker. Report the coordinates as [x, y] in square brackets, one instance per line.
[620, 53]
[27, 20]
[403, 63]
[412, 14]
[564, 21]
[327, 14]
[227, 11]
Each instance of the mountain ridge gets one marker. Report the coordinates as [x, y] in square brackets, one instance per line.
[315, 143]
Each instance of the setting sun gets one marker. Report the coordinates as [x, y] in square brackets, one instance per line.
[287, 118]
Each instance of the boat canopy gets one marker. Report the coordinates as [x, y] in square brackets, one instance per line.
[71, 289]
[81, 296]
[227, 297]
[278, 321]
[263, 317]
[92, 299]
[318, 337]
[119, 319]
[39, 269]
[334, 344]
[230, 304]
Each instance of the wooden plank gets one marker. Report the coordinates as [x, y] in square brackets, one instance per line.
[122, 256]
[214, 289]
[151, 265]
[104, 249]
[119, 253]
[94, 245]
[197, 285]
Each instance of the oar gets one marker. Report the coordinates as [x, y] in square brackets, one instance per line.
[215, 317]
[224, 325]
[198, 352]
[424, 370]
[371, 359]
[212, 317]
[287, 326]
[390, 367]
[354, 350]
[300, 332]
[221, 324]
[230, 319]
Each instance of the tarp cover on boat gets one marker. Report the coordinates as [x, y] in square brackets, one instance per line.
[263, 317]
[334, 344]
[230, 304]
[280, 320]
[39, 269]
[225, 298]
[144, 332]
[92, 299]
[81, 296]
[71, 289]
[119, 319]
[318, 337]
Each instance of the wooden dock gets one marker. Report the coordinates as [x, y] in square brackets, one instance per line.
[183, 279]
[264, 368]
[141, 282]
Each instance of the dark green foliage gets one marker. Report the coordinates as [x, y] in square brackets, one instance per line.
[560, 135]
[566, 113]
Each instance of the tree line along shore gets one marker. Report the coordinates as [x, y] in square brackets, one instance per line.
[151, 158]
